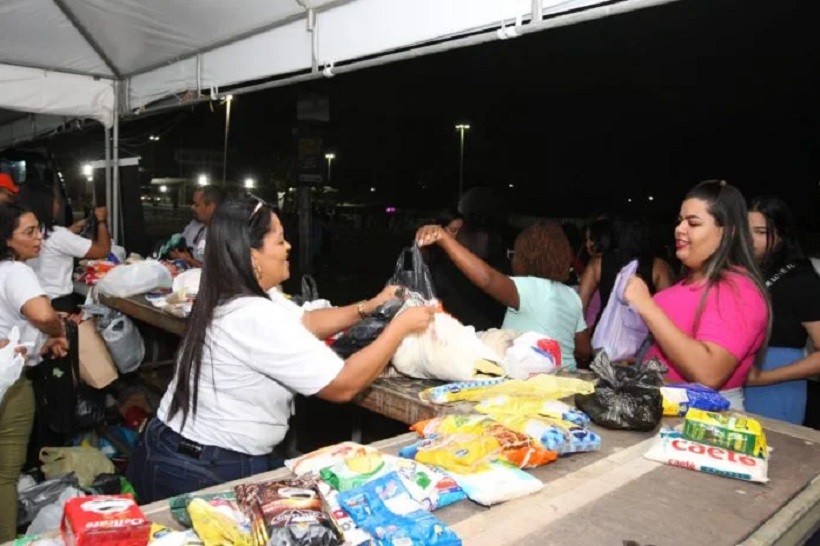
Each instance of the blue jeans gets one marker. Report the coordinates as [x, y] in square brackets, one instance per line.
[159, 468]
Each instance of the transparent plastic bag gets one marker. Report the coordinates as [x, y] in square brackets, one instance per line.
[412, 273]
[125, 343]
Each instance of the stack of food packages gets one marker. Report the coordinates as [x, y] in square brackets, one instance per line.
[94, 270]
[727, 444]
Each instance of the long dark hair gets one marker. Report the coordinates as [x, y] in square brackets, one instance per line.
[9, 221]
[779, 222]
[39, 199]
[629, 241]
[238, 225]
[735, 252]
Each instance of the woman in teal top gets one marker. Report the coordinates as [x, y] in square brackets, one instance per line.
[535, 296]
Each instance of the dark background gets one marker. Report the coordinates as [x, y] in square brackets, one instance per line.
[579, 119]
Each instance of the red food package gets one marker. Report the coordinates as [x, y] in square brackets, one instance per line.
[102, 520]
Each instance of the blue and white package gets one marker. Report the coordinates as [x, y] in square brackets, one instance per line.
[678, 398]
[385, 509]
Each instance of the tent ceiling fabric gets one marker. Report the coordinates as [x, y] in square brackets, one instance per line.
[161, 48]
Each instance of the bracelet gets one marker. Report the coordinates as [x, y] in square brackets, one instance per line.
[360, 310]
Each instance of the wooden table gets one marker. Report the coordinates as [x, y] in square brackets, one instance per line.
[616, 496]
[137, 307]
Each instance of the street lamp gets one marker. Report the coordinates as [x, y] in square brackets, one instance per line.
[461, 127]
[330, 158]
[250, 183]
[153, 137]
[202, 180]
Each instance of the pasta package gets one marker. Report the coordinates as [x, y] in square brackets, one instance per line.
[528, 405]
[733, 431]
[680, 397]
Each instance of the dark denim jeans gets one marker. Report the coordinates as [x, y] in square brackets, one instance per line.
[158, 470]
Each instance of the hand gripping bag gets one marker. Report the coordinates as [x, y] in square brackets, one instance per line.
[620, 331]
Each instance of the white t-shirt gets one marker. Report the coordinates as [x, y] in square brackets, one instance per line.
[56, 261]
[18, 285]
[193, 233]
[199, 249]
[257, 354]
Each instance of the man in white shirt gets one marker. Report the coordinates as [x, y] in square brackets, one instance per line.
[204, 203]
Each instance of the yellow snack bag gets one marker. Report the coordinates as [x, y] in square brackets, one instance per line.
[214, 527]
[733, 431]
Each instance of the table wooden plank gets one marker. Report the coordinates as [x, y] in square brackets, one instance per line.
[137, 307]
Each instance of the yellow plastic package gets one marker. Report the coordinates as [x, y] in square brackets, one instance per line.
[733, 431]
[215, 528]
[549, 387]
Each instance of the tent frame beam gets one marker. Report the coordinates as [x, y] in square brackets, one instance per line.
[89, 39]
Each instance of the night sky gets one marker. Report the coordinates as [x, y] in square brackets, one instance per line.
[579, 119]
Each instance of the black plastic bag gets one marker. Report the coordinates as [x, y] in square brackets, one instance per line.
[626, 396]
[412, 273]
[31, 500]
[310, 292]
[363, 333]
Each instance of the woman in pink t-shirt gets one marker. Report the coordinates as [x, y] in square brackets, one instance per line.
[709, 327]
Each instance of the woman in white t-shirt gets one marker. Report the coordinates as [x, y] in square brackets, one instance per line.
[247, 351]
[60, 246]
[23, 303]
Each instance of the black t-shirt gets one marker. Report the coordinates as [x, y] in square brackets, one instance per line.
[795, 300]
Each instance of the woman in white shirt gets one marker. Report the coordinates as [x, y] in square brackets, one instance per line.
[60, 246]
[247, 351]
[23, 303]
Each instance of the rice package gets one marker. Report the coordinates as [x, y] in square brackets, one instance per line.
[287, 513]
[429, 487]
[543, 386]
[514, 447]
[556, 435]
[351, 533]
[385, 509]
[326, 457]
[528, 405]
[733, 431]
[672, 448]
[498, 482]
[678, 398]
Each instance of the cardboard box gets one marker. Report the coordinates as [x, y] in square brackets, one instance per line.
[103, 520]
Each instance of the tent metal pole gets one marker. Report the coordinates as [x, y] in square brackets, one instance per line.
[108, 174]
[115, 165]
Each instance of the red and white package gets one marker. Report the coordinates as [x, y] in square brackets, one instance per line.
[672, 448]
[103, 520]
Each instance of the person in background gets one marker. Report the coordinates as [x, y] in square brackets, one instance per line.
[247, 351]
[193, 232]
[577, 268]
[777, 388]
[23, 303]
[451, 220]
[60, 246]
[8, 189]
[204, 203]
[598, 238]
[628, 241]
[709, 327]
[536, 297]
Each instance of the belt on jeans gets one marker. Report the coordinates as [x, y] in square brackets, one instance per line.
[195, 449]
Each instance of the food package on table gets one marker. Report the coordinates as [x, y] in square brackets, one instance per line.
[287, 513]
[531, 354]
[103, 520]
[352, 534]
[678, 398]
[498, 482]
[529, 405]
[430, 487]
[548, 387]
[670, 447]
[473, 440]
[733, 431]
[224, 501]
[325, 457]
[165, 536]
[556, 435]
[385, 509]
[214, 527]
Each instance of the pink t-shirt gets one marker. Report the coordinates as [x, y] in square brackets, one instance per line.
[734, 317]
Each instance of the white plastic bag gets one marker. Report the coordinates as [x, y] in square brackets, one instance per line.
[11, 363]
[187, 283]
[525, 358]
[620, 330]
[137, 278]
[447, 350]
[125, 343]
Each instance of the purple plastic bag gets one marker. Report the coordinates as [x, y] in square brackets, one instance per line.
[620, 331]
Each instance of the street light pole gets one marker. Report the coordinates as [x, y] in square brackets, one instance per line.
[228, 101]
[461, 127]
[330, 158]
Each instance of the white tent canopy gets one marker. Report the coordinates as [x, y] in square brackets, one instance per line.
[91, 58]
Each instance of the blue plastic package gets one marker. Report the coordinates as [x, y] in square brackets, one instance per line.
[384, 508]
[683, 396]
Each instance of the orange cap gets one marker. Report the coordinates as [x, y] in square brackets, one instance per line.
[7, 183]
